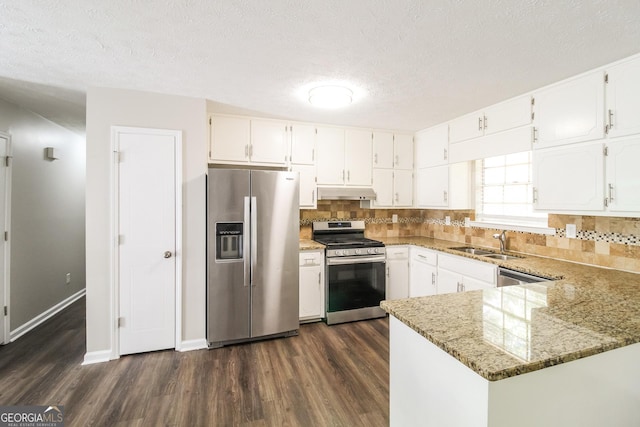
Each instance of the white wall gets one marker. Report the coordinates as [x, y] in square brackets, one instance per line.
[118, 107]
[47, 213]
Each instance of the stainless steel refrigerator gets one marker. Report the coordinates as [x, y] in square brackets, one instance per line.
[252, 248]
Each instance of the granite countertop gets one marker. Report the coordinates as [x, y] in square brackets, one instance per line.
[508, 331]
[308, 244]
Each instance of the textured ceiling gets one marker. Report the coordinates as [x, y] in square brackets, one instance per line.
[418, 62]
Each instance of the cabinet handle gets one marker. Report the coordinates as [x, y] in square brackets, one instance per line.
[319, 277]
[446, 196]
[611, 192]
[246, 150]
[313, 155]
[251, 150]
[313, 196]
[445, 154]
[433, 279]
[462, 286]
[397, 200]
[479, 123]
[343, 175]
[375, 159]
[422, 256]
[388, 272]
[484, 125]
[535, 195]
[397, 160]
[349, 176]
[535, 135]
[610, 119]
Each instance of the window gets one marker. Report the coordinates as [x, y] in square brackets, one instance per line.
[504, 190]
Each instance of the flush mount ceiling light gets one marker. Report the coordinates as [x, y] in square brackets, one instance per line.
[330, 96]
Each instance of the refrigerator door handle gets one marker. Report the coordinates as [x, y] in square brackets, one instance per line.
[246, 241]
[254, 237]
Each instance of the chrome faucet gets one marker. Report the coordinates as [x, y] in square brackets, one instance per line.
[502, 237]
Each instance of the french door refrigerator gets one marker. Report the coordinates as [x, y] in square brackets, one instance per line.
[252, 248]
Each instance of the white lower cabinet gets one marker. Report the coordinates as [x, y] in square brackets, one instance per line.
[311, 285]
[459, 274]
[397, 272]
[423, 276]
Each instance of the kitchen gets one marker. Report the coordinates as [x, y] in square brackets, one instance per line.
[107, 107]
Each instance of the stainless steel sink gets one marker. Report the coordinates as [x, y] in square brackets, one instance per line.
[473, 251]
[501, 256]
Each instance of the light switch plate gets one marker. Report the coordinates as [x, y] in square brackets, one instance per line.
[571, 231]
[447, 220]
[394, 218]
[467, 222]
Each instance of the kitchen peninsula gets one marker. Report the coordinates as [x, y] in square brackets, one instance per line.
[559, 353]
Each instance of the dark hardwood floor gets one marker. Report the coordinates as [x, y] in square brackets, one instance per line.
[327, 376]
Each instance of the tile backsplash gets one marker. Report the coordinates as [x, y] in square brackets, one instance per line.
[604, 241]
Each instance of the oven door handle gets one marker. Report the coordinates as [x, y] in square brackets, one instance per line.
[355, 260]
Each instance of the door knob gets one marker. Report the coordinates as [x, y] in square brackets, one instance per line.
[167, 254]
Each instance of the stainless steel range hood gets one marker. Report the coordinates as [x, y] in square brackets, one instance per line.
[345, 193]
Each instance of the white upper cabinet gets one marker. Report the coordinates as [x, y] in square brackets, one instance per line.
[569, 178]
[623, 99]
[307, 182]
[570, 112]
[393, 188]
[383, 150]
[432, 187]
[358, 154]
[432, 147]
[330, 159]
[268, 142]
[403, 151]
[623, 175]
[241, 140]
[229, 139]
[303, 144]
[497, 118]
[402, 188]
[383, 187]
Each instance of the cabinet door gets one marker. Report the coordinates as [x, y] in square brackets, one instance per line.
[403, 151]
[402, 188]
[268, 142]
[466, 127]
[432, 147]
[358, 153]
[303, 144]
[471, 284]
[570, 112]
[397, 279]
[432, 186]
[307, 185]
[330, 160]
[311, 295]
[448, 281]
[383, 150]
[422, 279]
[569, 178]
[230, 139]
[383, 187]
[507, 115]
[623, 99]
[623, 175]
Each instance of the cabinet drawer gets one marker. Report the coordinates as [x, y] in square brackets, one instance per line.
[397, 252]
[468, 267]
[311, 259]
[424, 255]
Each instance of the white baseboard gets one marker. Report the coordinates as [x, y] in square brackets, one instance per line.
[190, 345]
[31, 324]
[92, 357]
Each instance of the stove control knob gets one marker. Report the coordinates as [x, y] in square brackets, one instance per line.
[371, 251]
[358, 251]
[339, 253]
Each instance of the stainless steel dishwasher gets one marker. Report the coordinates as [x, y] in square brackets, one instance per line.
[508, 277]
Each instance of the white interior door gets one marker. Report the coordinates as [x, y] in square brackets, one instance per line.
[147, 227]
[4, 245]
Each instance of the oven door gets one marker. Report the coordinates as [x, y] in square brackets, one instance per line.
[355, 283]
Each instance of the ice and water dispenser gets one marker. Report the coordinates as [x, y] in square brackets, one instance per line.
[229, 237]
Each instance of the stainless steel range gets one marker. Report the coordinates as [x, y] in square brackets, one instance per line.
[355, 271]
